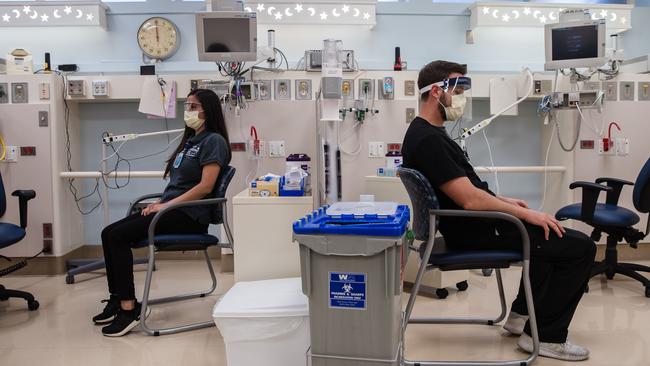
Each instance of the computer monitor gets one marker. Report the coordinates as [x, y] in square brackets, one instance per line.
[575, 44]
[226, 36]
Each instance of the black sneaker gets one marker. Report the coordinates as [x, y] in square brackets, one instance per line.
[124, 322]
[110, 311]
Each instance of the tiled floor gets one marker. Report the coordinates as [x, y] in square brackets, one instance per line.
[613, 320]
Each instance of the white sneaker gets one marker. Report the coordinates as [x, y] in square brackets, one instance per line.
[515, 323]
[562, 351]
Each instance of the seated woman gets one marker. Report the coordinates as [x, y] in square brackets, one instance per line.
[193, 170]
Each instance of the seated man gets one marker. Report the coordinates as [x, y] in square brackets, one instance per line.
[561, 259]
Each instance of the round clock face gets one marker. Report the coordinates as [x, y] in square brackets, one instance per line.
[158, 38]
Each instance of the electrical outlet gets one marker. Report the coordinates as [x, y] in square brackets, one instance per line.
[410, 115]
[409, 88]
[622, 146]
[76, 88]
[282, 90]
[4, 93]
[11, 155]
[611, 91]
[303, 89]
[627, 90]
[19, 93]
[376, 149]
[44, 91]
[100, 88]
[276, 149]
[366, 89]
[347, 89]
[644, 91]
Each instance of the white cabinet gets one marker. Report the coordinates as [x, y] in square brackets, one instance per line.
[263, 229]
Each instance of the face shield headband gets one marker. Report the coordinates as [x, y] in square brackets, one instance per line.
[451, 83]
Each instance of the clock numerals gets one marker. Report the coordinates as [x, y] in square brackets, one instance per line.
[158, 38]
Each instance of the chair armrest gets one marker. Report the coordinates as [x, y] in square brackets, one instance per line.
[525, 239]
[140, 199]
[161, 213]
[23, 197]
[617, 187]
[590, 193]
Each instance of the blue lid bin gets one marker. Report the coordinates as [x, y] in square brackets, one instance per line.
[351, 269]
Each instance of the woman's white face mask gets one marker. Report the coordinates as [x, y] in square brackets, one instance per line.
[192, 120]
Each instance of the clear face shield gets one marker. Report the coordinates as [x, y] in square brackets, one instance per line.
[456, 102]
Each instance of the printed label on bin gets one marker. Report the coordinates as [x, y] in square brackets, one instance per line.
[347, 290]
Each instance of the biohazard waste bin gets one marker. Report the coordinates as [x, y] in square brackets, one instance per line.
[352, 257]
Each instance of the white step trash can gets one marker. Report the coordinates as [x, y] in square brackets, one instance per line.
[264, 323]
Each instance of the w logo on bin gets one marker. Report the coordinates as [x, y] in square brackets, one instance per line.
[343, 277]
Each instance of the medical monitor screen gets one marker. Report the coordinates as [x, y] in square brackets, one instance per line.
[575, 42]
[226, 35]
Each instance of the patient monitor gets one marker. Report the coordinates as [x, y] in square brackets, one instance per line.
[575, 43]
[228, 36]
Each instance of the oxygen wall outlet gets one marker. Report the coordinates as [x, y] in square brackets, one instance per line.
[12, 155]
[276, 149]
[376, 149]
[622, 145]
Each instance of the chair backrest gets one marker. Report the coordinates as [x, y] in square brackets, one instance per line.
[219, 191]
[3, 198]
[641, 193]
[423, 199]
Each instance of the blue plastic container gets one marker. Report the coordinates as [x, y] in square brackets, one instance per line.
[319, 223]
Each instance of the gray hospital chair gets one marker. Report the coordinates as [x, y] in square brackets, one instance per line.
[434, 254]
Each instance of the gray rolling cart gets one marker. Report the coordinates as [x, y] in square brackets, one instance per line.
[352, 267]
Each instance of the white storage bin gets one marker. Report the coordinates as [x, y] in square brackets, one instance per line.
[264, 323]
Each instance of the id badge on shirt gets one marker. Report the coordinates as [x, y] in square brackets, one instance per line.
[179, 159]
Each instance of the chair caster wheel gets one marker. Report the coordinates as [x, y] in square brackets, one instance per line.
[442, 293]
[647, 292]
[32, 305]
[487, 272]
[610, 275]
[3, 298]
[69, 279]
[462, 286]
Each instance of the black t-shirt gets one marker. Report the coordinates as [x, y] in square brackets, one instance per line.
[429, 150]
[187, 169]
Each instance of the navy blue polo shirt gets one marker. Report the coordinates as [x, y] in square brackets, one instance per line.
[205, 148]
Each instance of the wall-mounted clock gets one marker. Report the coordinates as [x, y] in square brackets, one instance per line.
[159, 38]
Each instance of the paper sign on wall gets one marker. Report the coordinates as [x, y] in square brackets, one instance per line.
[158, 98]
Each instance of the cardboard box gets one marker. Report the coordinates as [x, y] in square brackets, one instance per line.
[262, 188]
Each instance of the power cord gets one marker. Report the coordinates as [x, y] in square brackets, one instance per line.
[496, 174]
[18, 265]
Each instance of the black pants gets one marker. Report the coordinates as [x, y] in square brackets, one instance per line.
[119, 237]
[559, 272]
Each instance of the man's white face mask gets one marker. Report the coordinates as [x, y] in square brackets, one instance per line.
[458, 101]
[457, 107]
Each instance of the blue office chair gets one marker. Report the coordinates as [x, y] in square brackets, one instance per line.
[434, 254]
[617, 222]
[11, 234]
[185, 242]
